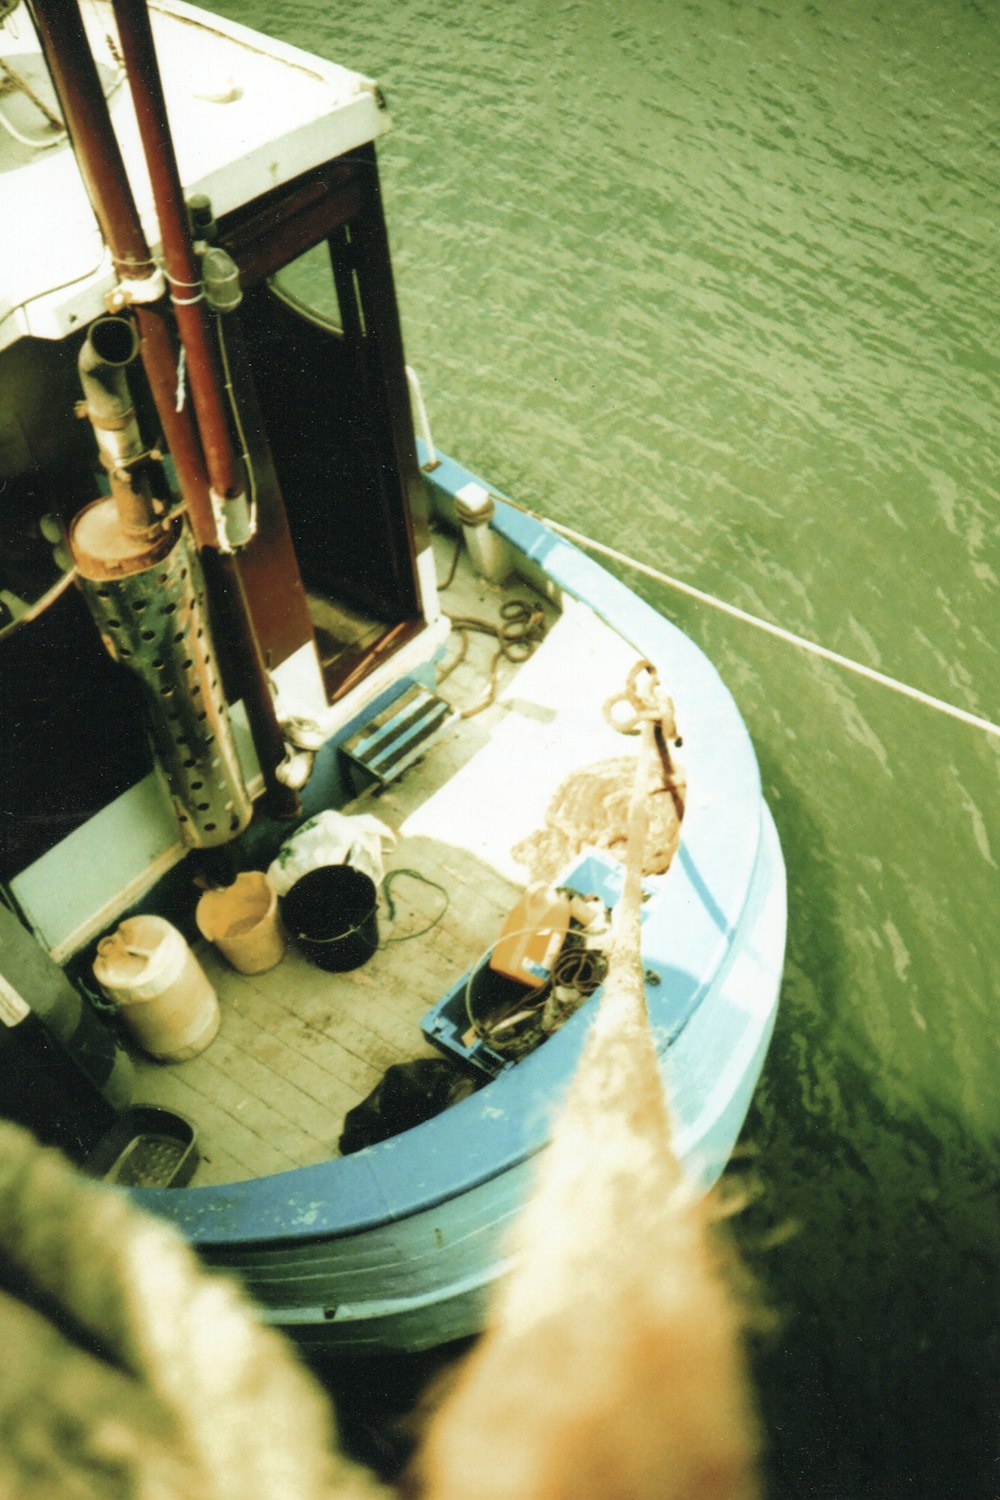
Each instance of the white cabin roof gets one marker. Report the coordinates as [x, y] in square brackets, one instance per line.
[247, 114]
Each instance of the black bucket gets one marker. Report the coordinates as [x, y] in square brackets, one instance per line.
[332, 914]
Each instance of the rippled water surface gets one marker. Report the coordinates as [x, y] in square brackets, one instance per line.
[717, 283]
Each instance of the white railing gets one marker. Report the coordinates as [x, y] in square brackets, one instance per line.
[422, 423]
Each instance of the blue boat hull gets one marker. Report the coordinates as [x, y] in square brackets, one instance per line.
[398, 1245]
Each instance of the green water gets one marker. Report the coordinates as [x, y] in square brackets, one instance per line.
[717, 283]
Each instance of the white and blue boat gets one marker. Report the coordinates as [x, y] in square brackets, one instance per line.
[248, 620]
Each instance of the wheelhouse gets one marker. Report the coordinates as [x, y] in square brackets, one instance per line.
[338, 578]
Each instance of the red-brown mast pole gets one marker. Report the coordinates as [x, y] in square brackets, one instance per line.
[98, 155]
[135, 35]
[183, 273]
[85, 110]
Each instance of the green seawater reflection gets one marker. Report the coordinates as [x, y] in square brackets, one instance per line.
[717, 283]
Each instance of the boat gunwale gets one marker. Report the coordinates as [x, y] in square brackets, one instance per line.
[410, 1284]
[507, 1122]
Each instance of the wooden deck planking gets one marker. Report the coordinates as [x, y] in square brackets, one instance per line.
[298, 1009]
[223, 1135]
[234, 1089]
[299, 1047]
[322, 1070]
[305, 1121]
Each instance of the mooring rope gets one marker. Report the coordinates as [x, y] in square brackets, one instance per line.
[940, 705]
[651, 710]
[612, 1363]
[175, 1387]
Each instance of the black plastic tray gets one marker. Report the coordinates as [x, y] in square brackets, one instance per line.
[146, 1147]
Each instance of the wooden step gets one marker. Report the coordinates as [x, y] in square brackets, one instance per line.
[400, 734]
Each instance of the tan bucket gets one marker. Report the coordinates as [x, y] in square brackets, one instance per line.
[242, 921]
[167, 1001]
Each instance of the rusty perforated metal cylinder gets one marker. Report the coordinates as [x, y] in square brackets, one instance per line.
[151, 610]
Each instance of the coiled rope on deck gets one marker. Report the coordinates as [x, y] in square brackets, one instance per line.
[521, 627]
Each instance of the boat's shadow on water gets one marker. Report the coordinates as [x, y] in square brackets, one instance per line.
[872, 1234]
[380, 1400]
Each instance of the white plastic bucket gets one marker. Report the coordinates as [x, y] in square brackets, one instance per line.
[242, 921]
[167, 1001]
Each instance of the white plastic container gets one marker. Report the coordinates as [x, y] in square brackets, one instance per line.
[167, 1001]
[242, 921]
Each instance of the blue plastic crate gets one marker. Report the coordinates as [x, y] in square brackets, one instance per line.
[447, 1026]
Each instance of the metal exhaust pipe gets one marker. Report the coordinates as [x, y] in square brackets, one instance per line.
[110, 347]
[143, 584]
[150, 606]
[84, 107]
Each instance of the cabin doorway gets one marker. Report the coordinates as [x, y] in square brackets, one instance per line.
[322, 353]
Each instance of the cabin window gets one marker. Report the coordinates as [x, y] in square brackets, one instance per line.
[306, 285]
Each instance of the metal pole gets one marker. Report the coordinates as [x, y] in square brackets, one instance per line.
[98, 155]
[74, 72]
[183, 272]
[135, 35]
[85, 110]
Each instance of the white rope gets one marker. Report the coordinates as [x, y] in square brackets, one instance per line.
[181, 375]
[904, 688]
[240, 433]
[33, 142]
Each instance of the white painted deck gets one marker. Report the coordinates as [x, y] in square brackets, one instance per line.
[298, 1047]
